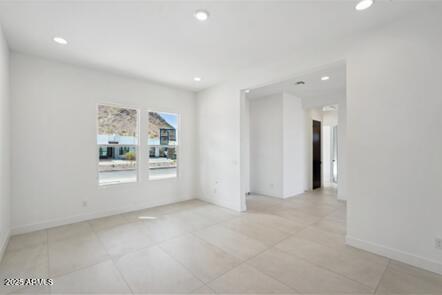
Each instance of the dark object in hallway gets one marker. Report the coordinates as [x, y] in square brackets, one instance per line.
[316, 154]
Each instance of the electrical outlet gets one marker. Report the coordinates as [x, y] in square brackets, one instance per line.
[438, 244]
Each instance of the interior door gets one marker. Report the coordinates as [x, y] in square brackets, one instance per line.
[316, 154]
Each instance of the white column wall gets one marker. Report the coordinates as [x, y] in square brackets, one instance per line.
[266, 146]
[5, 145]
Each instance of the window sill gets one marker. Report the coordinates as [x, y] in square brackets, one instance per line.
[163, 177]
[109, 184]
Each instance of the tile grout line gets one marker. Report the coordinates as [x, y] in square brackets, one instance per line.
[192, 233]
[111, 259]
[308, 261]
[382, 277]
[49, 259]
[122, 276]
[287, 219]
[83, 267]
[185, 267]
[250, 258]
[22, 287]
[290, 234]
[157, 244]
[311, 262]
[271, 247]
[320, 266]
[325, 268]
[275, 278]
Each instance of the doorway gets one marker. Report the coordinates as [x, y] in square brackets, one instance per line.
[334, 155]
[300, 158]
[317, 181]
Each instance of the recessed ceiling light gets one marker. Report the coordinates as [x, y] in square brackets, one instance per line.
[364, 4]
[325, 78]
[247, 91]
[60, 40]
[201, 15]
[197, 79]
[329, 108]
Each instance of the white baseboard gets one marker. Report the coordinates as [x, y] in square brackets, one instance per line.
[4, 245]
[264, 194]
[395, 254]
[88, 216]
[294, 195]
[341, 197]
[226, 205]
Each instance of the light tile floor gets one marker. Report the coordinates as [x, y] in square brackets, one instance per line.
[292, 246]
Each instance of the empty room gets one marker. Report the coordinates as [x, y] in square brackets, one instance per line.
[220, 147]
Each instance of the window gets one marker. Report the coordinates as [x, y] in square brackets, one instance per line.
[163, 145]
[117, 144]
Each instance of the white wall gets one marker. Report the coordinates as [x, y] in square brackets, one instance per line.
[266, 146]
[394, 141]
[294, 146]
[219, 134]
[342, 151]
[244, 171]
[330, 118]
[326, 155]
[54, 140]
[5, 143]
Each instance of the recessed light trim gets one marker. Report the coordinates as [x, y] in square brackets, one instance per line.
[201, 15]
[364, 4]
[325, 78]
[329, 108]
[60, 40]
[197, 79]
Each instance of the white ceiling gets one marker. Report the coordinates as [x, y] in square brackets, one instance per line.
[161, 41]
[314, 88]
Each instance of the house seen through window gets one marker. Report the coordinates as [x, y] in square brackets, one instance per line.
[163, 145]
[117, 144]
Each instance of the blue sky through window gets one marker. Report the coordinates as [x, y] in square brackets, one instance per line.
[170, 118]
